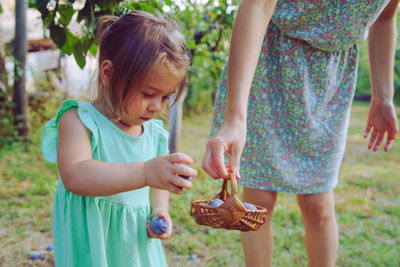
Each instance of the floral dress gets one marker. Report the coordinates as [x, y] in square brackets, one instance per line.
[301, 94]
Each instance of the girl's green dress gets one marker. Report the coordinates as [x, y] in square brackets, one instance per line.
[107, 230]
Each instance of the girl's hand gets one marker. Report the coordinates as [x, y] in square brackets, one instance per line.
[230, 138]
[163, 214]
[163, 172]
[381, 119]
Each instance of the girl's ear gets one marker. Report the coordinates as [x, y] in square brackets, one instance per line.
[106, 72]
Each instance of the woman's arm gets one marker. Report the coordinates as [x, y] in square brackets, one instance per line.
[381, 46]
[82, 175]
[247, 36]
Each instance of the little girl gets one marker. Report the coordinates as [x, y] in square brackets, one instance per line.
[115, 170]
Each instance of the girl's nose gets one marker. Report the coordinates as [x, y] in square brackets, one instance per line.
[155, 106]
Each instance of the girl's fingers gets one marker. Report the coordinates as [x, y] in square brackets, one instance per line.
[176, 189]
[182, 169]
[372, 138]
[180, 158]
[379, 140]
[150, 232]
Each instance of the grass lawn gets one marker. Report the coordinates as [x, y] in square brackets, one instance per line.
[367, 205]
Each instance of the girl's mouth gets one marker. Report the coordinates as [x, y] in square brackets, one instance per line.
[144, 119]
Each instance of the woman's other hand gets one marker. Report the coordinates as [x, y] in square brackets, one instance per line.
[381, 119]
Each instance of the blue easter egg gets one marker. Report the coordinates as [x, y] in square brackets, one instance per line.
[159, 225]
[249, 206]
[36, 255]
[216, 202]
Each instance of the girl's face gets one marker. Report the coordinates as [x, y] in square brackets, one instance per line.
[149, 100]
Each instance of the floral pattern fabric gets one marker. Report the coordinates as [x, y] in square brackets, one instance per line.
[300, 98]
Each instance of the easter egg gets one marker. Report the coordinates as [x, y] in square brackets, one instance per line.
[216, 202]
[159, 225]
[249, 206]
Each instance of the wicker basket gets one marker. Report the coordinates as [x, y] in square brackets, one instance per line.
[231, 214]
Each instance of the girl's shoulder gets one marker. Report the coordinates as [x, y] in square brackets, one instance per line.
[155, 129]
[156, 126]
[50, 129]
[158, 135]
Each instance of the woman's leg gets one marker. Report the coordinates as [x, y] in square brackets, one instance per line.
[258, 245]
[321, 229]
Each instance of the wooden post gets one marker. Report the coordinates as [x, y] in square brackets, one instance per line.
[175, 122]
[20, 50]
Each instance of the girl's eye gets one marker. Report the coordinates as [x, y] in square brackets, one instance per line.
[166, 97]
[148, 94]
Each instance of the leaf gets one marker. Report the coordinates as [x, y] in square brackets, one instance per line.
[66, 13]
[58, 35]
[145, 7]
[191, 44]
[68, 47]
[48, 19]
[79, 55]
[86, 43]
[85, 12]
[108, 4]
[41, 5]
[93, 49]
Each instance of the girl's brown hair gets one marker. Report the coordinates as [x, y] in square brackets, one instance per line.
[134, 43]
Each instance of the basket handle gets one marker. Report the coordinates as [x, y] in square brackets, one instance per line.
[225, 185]
[233, 183]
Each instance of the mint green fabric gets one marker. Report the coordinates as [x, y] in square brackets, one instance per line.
[108, 230]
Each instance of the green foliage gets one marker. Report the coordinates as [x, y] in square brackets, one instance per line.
[42, 106]
[8, 129]
[397, 77]
[9, 126]
[207, 27]
[46, 100]
[57, 17]
[363, 86]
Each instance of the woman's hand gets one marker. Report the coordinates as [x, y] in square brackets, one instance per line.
[230, 138]
[381, 119]
[381, 47]
[162, 213]
[163, 172]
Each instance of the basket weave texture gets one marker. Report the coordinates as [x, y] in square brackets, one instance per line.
[231, 214]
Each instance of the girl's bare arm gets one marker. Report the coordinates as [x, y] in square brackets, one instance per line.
[82, 175]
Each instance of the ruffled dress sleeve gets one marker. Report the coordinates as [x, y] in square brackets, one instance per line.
[162, 137]
[50, 129]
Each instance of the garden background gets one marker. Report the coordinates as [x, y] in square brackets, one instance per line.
[367, 197]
